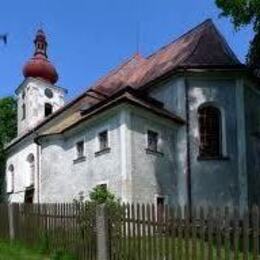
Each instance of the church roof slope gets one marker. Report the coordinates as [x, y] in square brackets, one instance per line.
[202, 46]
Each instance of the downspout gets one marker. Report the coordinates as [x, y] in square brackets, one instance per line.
[38, 172]
[188, 176]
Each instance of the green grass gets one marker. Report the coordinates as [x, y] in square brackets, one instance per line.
[16, 251]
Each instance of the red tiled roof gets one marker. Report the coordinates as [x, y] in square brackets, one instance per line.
[201, 46]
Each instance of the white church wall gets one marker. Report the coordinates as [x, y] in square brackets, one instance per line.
[22, 172]
[160, 173]
[172, 94]
[63, 178]
[32, 94]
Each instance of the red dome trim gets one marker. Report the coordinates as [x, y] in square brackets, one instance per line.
[39, 66]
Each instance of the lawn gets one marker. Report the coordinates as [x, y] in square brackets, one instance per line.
[17, 251]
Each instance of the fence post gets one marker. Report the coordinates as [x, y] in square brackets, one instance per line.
[11, 208]
[102, 233]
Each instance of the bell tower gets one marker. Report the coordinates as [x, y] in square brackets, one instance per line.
[38, 96]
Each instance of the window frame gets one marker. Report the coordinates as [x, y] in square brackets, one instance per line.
[50, 106]
[159, 145]
[166, 202]
[76, 154]
[107, 149]
[222, 154]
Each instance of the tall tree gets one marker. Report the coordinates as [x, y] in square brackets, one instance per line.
[7, 133]
[242, 13]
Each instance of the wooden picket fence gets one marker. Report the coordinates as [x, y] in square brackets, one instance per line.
[135, 231]
[175, 233]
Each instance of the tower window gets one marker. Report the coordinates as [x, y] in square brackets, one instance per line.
[47, 109]
[152, 140]
[103, 140]
[23, 111]
[210, 131]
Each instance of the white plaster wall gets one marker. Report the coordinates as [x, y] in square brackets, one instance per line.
[215, 182]
[34, 101]
[63, 180]
[172, 94]
[22, 171]
[155, 174]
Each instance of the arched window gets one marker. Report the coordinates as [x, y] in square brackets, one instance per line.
[210, 131]
[47, 109]
[10, 179]
[23, 111]
[31, 162]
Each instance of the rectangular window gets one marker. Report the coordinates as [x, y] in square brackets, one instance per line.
[47, 109]
[80, 149]
[160, 203]
[152, 140]
[103, 140]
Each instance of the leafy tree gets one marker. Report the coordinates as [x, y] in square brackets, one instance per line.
[7, 133]
[242, 13]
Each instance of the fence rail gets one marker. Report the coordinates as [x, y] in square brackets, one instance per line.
[134, 231]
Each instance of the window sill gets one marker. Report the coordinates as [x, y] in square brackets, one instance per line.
[9, 192]
[149, 151]
[80, 159]
[104, 151]
[210, 158]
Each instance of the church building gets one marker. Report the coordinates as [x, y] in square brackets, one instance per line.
[179, 127]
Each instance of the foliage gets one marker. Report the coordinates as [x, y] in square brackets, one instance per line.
[7, 133]
[87, 217]
[242, 13]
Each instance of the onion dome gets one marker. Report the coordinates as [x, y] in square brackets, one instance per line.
[39, 66]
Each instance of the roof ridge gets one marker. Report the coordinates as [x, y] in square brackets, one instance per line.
[225, 44]
[207, 21]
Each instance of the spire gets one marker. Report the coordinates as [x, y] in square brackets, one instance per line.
[40, 43]
[39, 66]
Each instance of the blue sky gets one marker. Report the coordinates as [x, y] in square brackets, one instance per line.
[89, 38]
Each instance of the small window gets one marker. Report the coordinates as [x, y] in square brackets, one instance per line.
[48, 109]
[29, 194]
[103, 140]
[80, 149]
[152, 140]
[160, 203]
[23, 94]
[23, 111]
